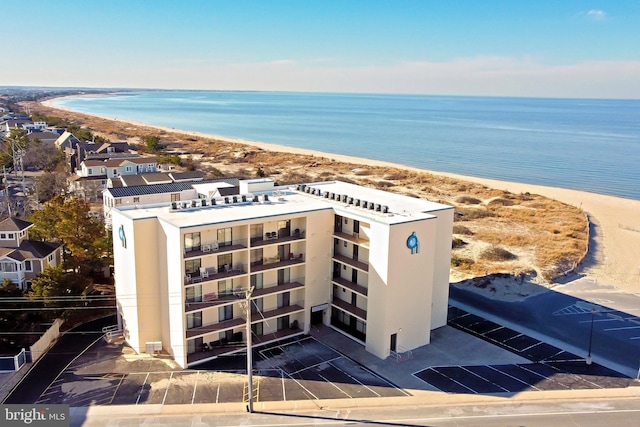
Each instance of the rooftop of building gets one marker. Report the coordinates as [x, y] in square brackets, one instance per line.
[381, 206]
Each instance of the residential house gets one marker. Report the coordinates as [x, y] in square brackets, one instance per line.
[22, 259]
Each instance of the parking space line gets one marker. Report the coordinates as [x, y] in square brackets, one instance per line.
[457, 382]
[486, 379]
[117, 388]
[621, 328]
[515, 378]
[166, 390]
[305, 389]
[317, 364]
[598, 320]
[331, 382]
[634, 338]
[195, 387]
[218, 393]
[284, 390]
[142, 388]
[358, 381]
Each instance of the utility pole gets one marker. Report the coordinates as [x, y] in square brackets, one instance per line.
[247, 304]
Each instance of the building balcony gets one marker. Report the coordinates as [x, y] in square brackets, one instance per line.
[213, 248]
[278, 312]
[363, 266]
[274, 263]
[212, 299]
[285, 287]
[216, 327]
[211, 273]
[352, 238]
[273, 238]
[349, 308]
[350, 285]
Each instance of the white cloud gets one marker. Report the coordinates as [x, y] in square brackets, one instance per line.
[595, 15]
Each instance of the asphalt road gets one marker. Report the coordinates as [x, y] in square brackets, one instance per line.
[552, 412]
[47, 369]
[565, 317]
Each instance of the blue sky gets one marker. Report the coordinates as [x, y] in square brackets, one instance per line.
[505, 48]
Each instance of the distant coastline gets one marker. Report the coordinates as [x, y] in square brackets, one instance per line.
[617, 219]
[588, 145]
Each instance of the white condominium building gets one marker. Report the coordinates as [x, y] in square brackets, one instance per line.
[371, 264]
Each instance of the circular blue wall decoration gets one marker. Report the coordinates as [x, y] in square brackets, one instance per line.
[413, 244]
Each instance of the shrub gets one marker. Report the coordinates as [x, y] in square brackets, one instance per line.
[461, 229]
[496, 253]
[456, 242]
[468, 200]
[457, 261]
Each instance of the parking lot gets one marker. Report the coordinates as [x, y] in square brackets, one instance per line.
[553, 368]
[296, 370]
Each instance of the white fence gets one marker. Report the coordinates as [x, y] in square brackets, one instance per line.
[46, 340]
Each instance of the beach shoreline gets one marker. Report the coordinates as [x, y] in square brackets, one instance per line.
[615, 221]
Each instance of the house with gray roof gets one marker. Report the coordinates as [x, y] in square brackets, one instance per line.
[22, 259]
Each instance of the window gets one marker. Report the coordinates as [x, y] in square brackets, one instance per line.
[3, 236]
[194, 320]
[256, 305]
[128, 168]
[118, 202]
[89, 171]
[191, 242]
[284, 299]
[192, 266]
[175, 197]
[27, 265]
[136, 200]
[7, 267]
[284, 276]
[50, 258]
[11, 235]
[194, 294]
[284, 228]
[256, 231]
[257, 281]
[224, 262]
[256, 257]
[225, 313]
[225, 287]
[283, 323]
[356, 226]
[257, 329]
[224, 237]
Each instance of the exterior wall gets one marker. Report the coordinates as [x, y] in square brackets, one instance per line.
[442, 268]
[318, 230]
[137, 281]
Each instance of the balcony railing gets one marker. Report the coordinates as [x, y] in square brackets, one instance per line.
[349, 308]
[351, 262]
[275, 289]
[211, 273]
[278, 312]
[351, 286]
[353, 238]
[216, 327]
[214, 248]
[276, 262]
[273, 238]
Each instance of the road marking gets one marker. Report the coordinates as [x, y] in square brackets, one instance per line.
[621, 328]
[117, 388]
[284, 389]
[486, 379]
[316, 365]
[142, 388]
[195, 387]
[166, 390]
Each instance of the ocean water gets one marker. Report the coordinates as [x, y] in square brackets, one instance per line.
[583, 144]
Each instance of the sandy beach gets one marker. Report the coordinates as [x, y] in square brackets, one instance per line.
[614, 256]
